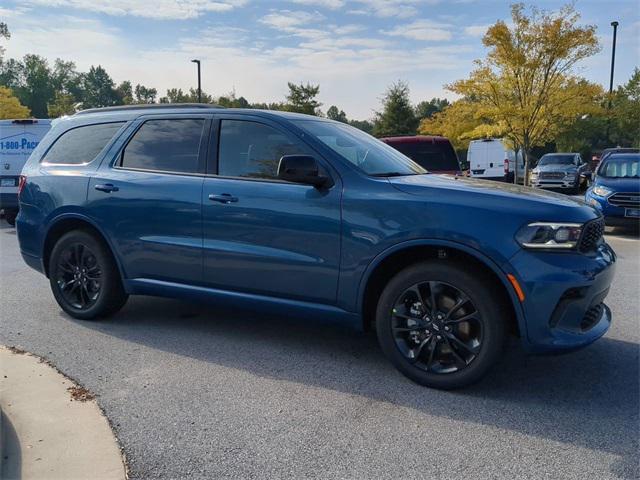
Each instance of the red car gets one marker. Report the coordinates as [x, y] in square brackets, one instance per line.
[436, 154]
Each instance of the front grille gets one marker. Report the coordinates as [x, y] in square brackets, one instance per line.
[592, 235]
[627, 200]
[551, 175]
[591, 317]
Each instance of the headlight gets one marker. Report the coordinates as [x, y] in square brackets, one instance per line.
[601, 191]
[549, 235]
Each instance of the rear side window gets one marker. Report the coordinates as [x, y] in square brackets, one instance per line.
[438, 156]
[82, 144]
[166, 146]
[250, 149]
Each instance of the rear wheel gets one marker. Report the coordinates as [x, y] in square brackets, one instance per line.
[11, 218]
[84, 278]
[441, 325]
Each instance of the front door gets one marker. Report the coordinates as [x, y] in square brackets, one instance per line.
[148, 200]
[262, 235]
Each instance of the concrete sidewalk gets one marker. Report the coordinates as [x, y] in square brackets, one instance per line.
[51, 428]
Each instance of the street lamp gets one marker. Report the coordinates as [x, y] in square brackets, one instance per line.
[199, 85]
[613, 62]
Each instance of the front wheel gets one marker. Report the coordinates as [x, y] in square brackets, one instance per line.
[84, 277]
[441, 324]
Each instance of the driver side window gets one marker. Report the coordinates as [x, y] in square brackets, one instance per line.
[252, 149]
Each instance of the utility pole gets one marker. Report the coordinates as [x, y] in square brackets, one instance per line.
[197, 62]
[613, 62]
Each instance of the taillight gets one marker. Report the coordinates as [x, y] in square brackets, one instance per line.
[22, 181]
[506, 166]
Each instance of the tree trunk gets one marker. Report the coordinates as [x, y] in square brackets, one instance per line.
[525, 156]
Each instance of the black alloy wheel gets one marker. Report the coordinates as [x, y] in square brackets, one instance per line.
[442, 323]
[79, 276]
[84, 276]
[436, 327]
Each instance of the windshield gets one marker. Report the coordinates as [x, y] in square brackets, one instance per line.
[619, 166]
[370, 155]
[438, 156]
[557, 160]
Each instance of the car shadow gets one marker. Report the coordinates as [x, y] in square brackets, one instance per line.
[580, 398]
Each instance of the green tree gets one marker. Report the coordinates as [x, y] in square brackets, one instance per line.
[364, 125]
[125, 92]
[30, 80]
[397, 116]
[10, 106]
[525, 85]
[66, 80]
[145, 94]
[99, 89]
[338, 115]
[302, 99]
[426, 109]
[4, 33]
[62, 104]
[625, 110]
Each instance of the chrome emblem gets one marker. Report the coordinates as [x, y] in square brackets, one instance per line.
[7, 166]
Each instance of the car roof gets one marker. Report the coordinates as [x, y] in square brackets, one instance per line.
[623, 155]
[129, 112]
[415, 139]
[561, 154]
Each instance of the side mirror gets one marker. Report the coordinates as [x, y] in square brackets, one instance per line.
[301, 169]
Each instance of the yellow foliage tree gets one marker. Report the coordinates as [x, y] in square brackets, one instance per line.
[525, 87]
[10, 106]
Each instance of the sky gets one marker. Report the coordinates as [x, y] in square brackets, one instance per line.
[354, 49]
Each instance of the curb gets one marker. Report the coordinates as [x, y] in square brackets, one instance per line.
[52, 427]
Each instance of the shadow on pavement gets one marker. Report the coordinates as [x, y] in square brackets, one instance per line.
[11, 460]
[588, 398]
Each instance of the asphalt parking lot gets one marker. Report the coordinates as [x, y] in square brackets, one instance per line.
[196, 391]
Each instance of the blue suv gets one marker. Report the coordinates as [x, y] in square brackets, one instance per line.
[310, 217]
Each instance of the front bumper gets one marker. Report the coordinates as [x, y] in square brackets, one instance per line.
[559, 184]
[564, 294]
[614, 216]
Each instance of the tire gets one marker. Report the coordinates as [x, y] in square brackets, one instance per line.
[10, 218]
[456, 367]
[84, 277]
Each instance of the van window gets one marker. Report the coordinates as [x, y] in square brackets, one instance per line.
[251, 149]
[81, 144]
[165, 146]
[438, 156]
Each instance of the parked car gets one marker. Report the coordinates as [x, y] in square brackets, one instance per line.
[563, 171]
[596, 159]
[491, 159]
[18, 138]
[616, 189]
[436, 154]
[306, 216]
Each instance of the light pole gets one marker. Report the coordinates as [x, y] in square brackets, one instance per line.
[199, 85]
[613, 62]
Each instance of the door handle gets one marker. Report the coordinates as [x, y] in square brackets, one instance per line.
[223, 198]
[106, 187]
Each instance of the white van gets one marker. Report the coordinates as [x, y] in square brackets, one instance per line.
[18, 138]
[490, 159]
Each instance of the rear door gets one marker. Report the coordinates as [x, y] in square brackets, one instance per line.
[147, 198]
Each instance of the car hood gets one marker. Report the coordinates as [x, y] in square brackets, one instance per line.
[627, 185]
[508, 199]
[556, 168]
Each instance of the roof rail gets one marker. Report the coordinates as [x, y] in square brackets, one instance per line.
[148, 106]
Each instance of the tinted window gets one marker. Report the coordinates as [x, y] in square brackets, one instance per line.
[370, 155]
[432, 156]
[82, 144]
[250, 149]
[165, 145]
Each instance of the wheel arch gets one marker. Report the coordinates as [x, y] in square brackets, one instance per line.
[400, 256]
[73, 221]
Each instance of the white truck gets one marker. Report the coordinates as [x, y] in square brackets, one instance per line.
[491, 159]
[18, 138]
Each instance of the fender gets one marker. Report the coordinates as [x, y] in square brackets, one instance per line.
[79, 216]
[432, 242]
